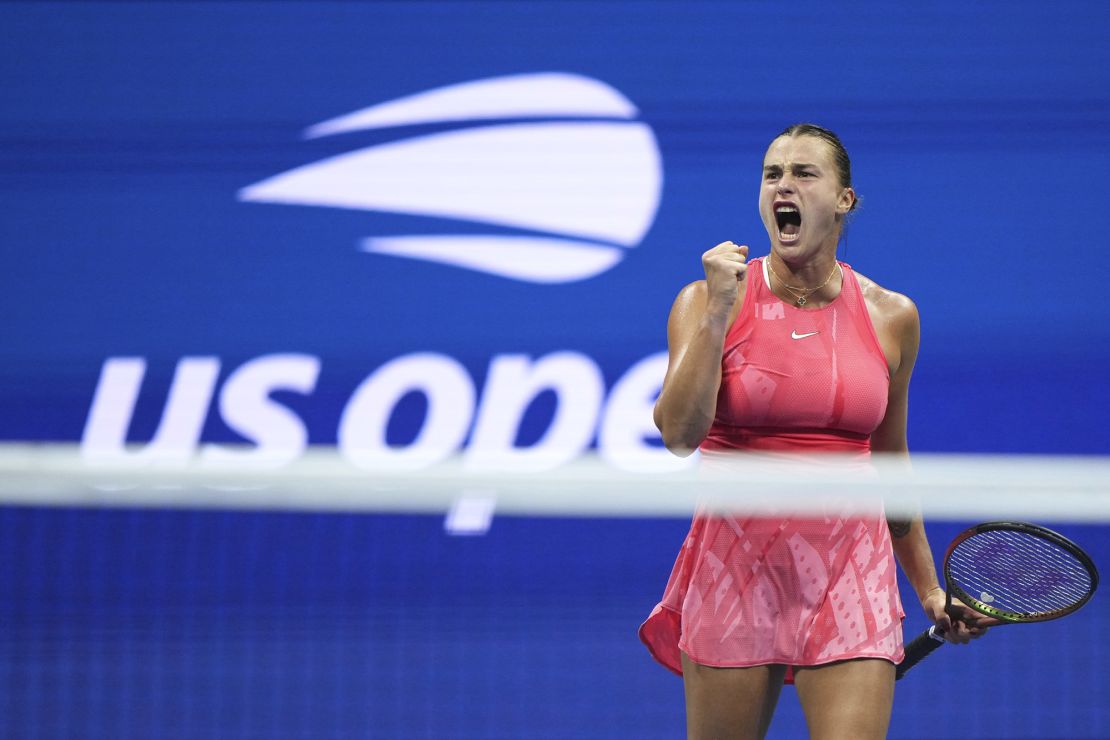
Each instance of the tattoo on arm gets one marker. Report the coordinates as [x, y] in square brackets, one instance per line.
[899, 527]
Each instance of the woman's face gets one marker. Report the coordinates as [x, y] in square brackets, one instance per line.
[801, 199]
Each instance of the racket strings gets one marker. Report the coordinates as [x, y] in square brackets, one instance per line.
[999, 595]
[1018, 572]
[1030, 567]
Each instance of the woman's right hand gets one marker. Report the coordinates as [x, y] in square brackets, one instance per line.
[725, 265]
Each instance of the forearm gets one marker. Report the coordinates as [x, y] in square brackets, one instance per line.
[907, 530]
[688, 402]
[911, 547]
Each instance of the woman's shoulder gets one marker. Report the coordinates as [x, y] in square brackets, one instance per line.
[692, 291]
[690, 302]
[887, 304]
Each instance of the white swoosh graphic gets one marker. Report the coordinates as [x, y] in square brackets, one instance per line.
[596, 180]
[543, 95]
[535, 259]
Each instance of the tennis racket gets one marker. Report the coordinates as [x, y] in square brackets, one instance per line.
[1014, 572]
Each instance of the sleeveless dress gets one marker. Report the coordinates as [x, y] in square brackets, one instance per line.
[751, 591]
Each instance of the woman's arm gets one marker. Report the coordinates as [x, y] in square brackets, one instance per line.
[902, 324]
[696, 329]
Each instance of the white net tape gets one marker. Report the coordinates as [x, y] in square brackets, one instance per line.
[953, 487]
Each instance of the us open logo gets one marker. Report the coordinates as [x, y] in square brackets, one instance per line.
[574, 177]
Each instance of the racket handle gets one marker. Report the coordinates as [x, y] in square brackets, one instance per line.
[922, 645]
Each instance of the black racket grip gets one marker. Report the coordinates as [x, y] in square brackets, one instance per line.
[922, 645]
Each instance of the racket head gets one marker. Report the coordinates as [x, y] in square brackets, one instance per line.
[1019, 572]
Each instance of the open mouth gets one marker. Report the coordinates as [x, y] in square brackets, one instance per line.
[789, 221]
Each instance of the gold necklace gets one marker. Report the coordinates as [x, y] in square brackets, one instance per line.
[801, 294]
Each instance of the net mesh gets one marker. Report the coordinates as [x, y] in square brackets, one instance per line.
[328, 602]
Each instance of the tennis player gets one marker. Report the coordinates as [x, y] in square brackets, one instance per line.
[792, 353]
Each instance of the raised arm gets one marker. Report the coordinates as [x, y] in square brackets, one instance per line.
[696, 329]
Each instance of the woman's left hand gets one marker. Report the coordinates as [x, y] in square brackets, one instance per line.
[959, 624]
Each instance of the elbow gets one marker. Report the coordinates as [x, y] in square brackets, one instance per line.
[680, 449]
[680, 442]
[679, 438]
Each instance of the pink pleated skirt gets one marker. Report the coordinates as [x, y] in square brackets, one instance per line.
[798, 592]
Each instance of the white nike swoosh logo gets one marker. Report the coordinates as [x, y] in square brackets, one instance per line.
[796, 335]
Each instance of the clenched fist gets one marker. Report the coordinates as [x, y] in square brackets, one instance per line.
[725, 265]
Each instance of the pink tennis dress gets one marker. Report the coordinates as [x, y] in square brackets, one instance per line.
[753, 591]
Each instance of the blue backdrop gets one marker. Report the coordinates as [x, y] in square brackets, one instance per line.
[523, 189]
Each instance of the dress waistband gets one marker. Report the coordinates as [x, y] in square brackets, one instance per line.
[765, 439]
